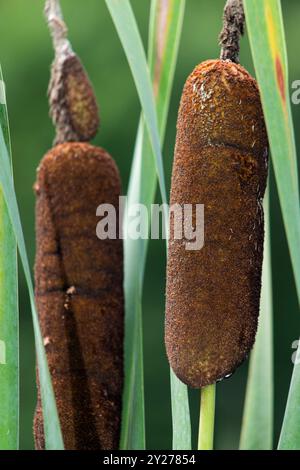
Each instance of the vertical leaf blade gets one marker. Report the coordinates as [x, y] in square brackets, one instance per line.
[266, 34]
[53, 434]
[164, 33]
[257, 427]
[290, 432]
[9, 321]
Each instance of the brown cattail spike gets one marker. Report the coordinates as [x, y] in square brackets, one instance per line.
[221, 161]
[79, 295]
[73, 106]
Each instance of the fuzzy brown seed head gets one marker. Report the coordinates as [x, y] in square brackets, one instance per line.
[73, 106]
[79, 295]
[221, 160]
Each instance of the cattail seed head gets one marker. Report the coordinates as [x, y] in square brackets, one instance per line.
[221, 161]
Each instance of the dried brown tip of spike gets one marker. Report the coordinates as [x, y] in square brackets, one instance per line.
[73, 106]
[233, 29]
[221, 161]
[79, 295]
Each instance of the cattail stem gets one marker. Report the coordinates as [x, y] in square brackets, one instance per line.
[233, 29]
[207, 418]
[57, 27]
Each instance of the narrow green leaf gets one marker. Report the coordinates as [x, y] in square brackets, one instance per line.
[167, 17]
[182, 433]
[257, 427]
[9, 320]
[164, 33]
[207, 418]
[266, 33]
[290, 432]
[133, 412]
[51, 422]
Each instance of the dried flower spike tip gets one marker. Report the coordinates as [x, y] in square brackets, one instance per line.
[79, 295]
[221, 161]
[73, 106]
[233, 29]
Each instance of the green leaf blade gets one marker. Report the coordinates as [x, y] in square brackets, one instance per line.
[265, 29]
[163, 50]
[290, 432]
[257, 426]
[126, 27]
[9, 336]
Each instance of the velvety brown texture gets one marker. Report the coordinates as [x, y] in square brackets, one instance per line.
[79, 295]
[221, 160]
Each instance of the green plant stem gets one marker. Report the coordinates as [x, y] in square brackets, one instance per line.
[207, 418]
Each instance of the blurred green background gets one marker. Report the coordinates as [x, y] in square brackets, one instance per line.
[26, 54]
